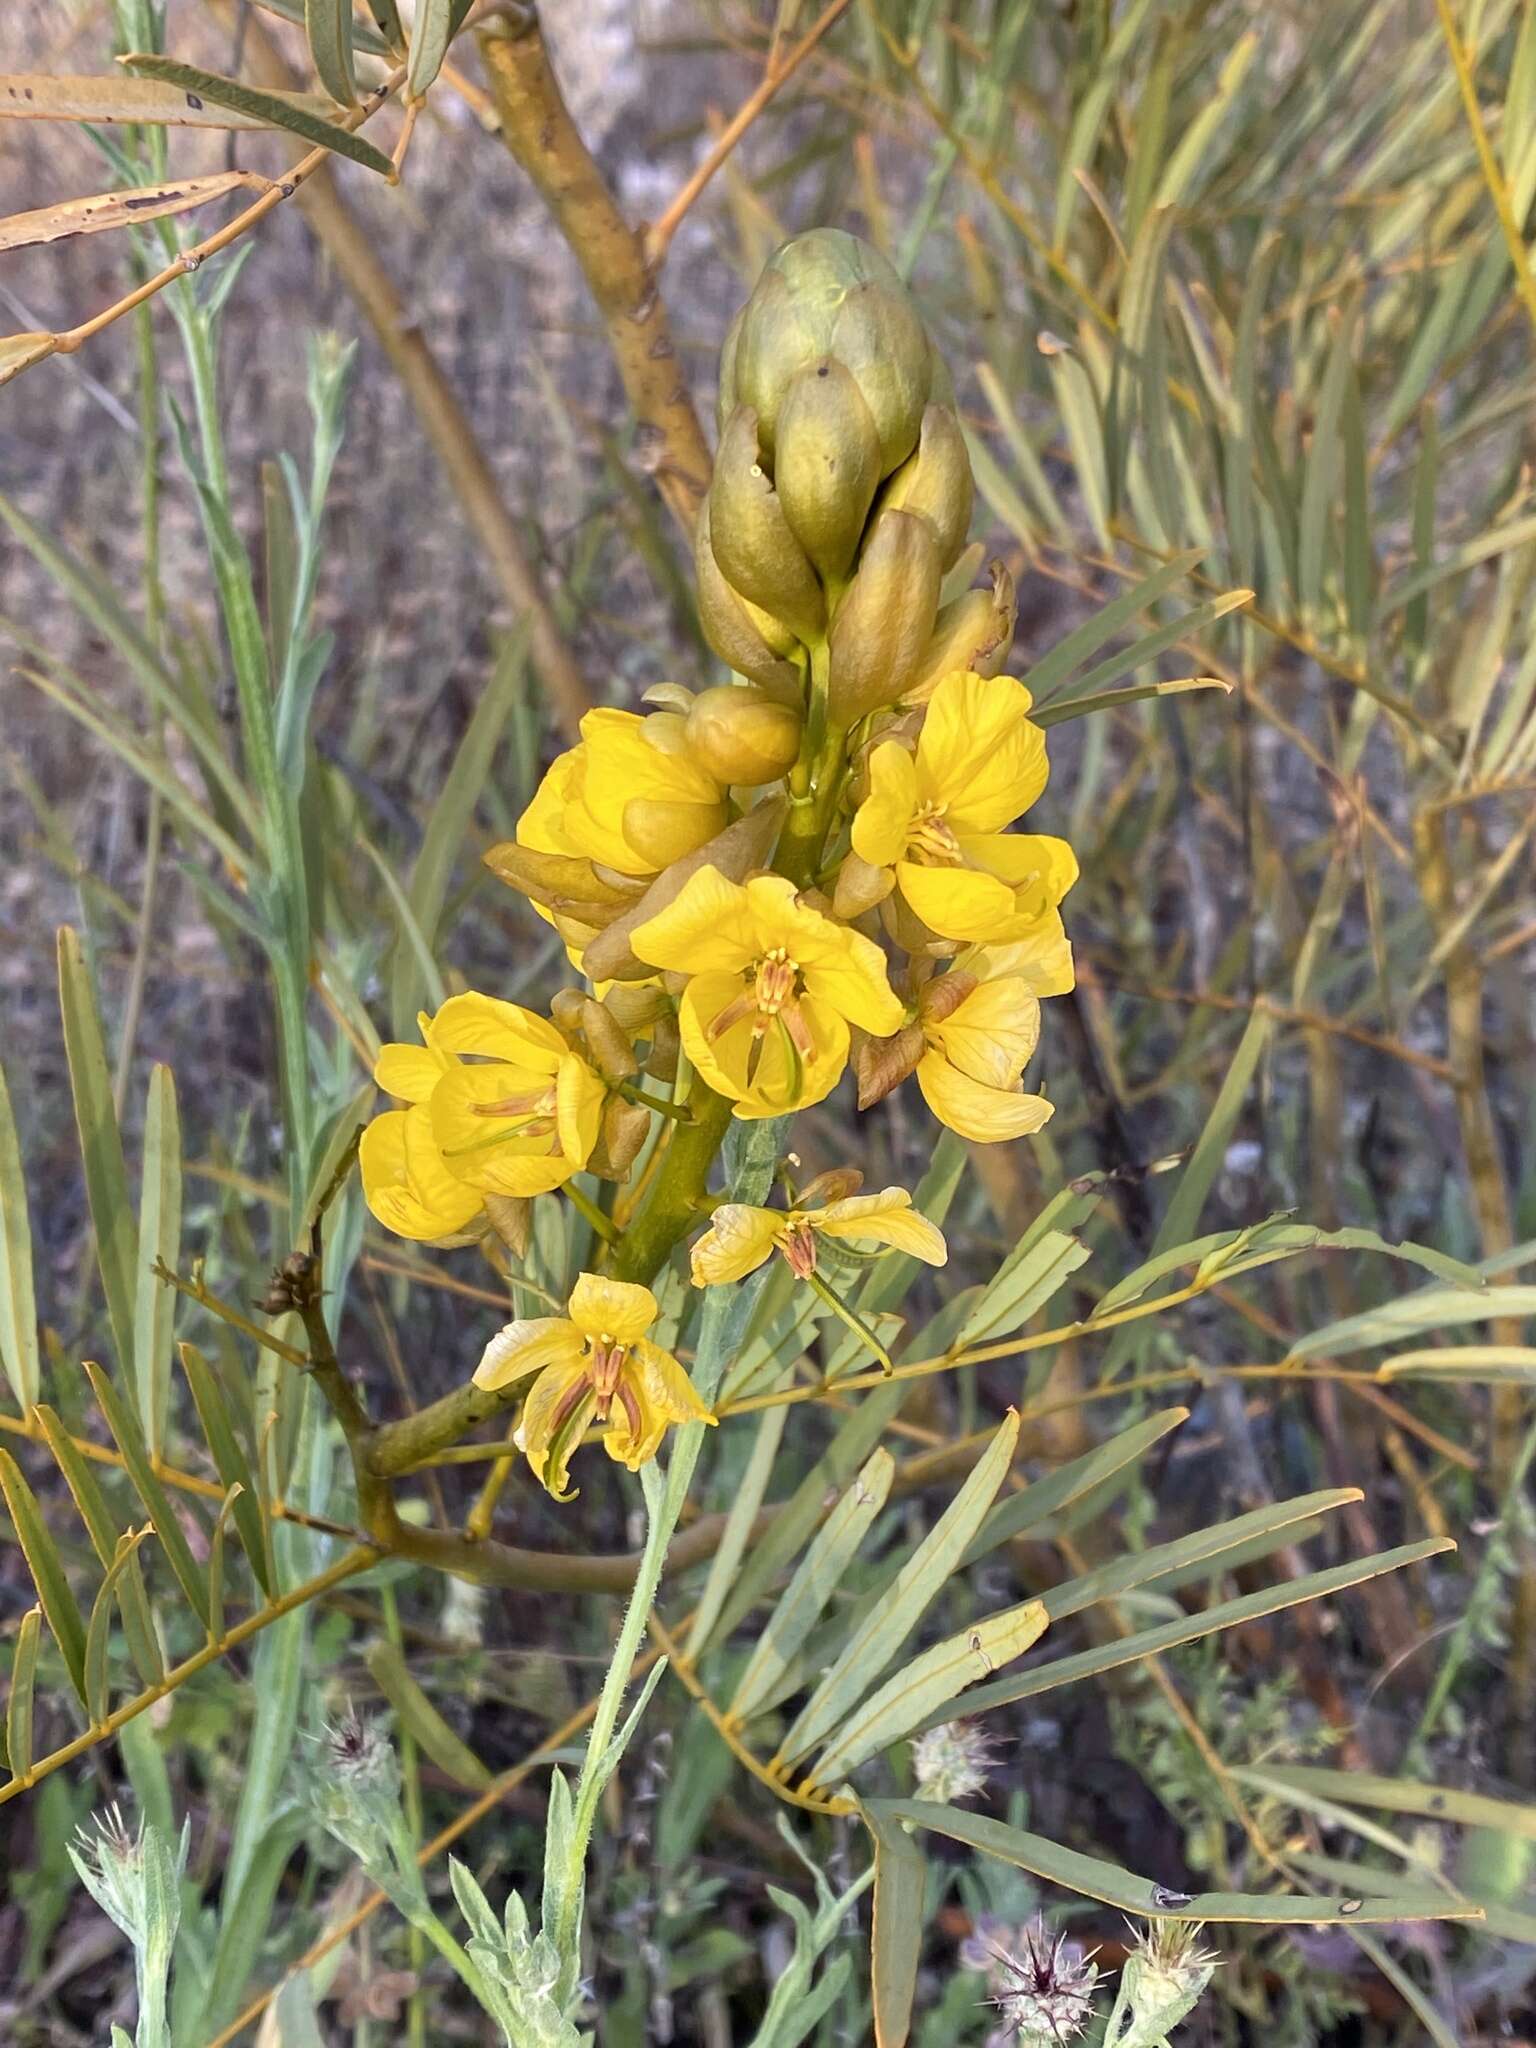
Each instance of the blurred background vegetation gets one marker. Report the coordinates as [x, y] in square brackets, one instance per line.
[1241, 313]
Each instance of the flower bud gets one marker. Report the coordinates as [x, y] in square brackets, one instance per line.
[607, 1042]
[746, 639]
[826, 464]
[859, 887]
[662, 832]
[886, 619]
[743, 736]
[826, 293]
[741, 847]
[936, 481]
[1163, 1979]
[753, 544]
[973, 633]
[624, 1129]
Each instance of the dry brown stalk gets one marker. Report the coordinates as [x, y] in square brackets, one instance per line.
[536, 126]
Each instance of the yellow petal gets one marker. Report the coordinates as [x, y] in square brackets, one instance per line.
[992, 1035]
[579, 1097]
[1042, 959]
[985, 1115]
[708, 928]
[679, 802]
[958, 903]
[780, 1080]
[541, 826]
[518, 1349]
[886, 1218]
[473, 1023]
[664, 1394]
[612, 1308]
[409, 1072]
[847, 972]
[426, 1204]
[536, 1428]
[881, 822]
[499, 1154]
[736, 1243]
[1040, 869]
[979, 754]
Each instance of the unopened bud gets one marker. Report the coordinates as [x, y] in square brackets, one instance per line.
[745, 638]
[661, 832]
[943, 994]
[754, 546]
[935, 480]
[636, 1010]
[882, 1064]
[974, 633]
[743, 737]
[826, 293]
[662, 1061]
[612, 1053]
[1162, 1981]
[859, 887]
[568, 885]
[743, 846]
[886, 619]
[826, 464]
[624, 1129]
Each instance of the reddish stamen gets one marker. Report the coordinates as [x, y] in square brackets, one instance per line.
[799, 1247]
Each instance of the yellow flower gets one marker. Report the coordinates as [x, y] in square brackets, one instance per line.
[406, 1182]
[632, 795]
[739, 1238]
[511, 1108]
[773, 987]
[594, 1362]
[978, 1037]
[935, 819]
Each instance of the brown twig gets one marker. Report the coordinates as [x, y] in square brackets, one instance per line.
[778, 73]
[536, 126]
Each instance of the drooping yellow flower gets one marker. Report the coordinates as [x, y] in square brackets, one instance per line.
[934, 819]
[978, 1038]
[740, 1238]
[510, 1107]
[632, 795]
[773, 988]
[407, 1183]
[593, 1363]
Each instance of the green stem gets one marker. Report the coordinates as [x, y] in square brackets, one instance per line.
[671, 1208]
[815, 785]
[852, 1318]
[588, 1209]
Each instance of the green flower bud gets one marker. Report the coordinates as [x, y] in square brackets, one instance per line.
[826, 293]
[974, 633]
[886, 620]
[746, 639]
[751, 537]
[743, 737]
[936, 481]
[826, 464]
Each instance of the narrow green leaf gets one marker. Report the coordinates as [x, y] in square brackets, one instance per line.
[1431, 1308]
[1078, 404]
[378, 43]
[136, 1462]
[1404, 1795]
[919, 1583]
[1113, 700]
[1092, 1878]
[1036, 1503]
[329, 27]
[1209, 1546]
[418, 1716]
[159, 1238]
[1181, 171]
[84, 1486]
[1153, 644]
[270, 109]
[746, 1500]
[896, 1930]
[930, 1682]
[1481, 1364]
[452, 817]
[1189, 1628]
[101, 1146]
[1484, 547]
[47, 1569]
[231, 1463]
[141, 101]
[430, 36]
[816, 1579]
[18, 1302]
[18, 1704]
[98, 1635]
[1020, 1286]
[1320, 485]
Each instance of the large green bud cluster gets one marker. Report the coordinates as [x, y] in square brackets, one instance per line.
[842, 488]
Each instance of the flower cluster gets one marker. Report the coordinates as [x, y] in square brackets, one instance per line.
[809, 871]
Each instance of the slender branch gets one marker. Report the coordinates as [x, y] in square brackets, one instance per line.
[446, 424]
[1463, 62]
[536, 126]
[778, 73]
